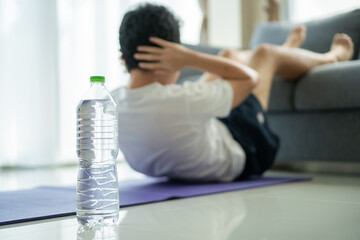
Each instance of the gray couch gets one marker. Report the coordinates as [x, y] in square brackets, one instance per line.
[318, 116]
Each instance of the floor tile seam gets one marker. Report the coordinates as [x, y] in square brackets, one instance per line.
[312, 200]
[154, 231]
[155, 210]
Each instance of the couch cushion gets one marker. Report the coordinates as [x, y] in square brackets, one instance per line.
[319, 32]
[330, 87]
[282, 93]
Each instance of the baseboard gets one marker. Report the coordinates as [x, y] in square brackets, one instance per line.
[319, 167]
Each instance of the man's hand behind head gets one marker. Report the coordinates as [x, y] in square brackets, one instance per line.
[168, 57]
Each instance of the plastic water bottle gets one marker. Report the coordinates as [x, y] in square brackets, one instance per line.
[97, 193]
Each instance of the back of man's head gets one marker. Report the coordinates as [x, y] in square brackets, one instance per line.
[140, 24]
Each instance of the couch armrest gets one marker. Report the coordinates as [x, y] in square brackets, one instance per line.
[330, 87]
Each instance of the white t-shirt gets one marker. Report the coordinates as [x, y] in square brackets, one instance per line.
[173, 131]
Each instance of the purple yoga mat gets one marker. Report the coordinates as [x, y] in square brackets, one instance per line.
[48, 202]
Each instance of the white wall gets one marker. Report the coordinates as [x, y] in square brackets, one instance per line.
[224, 23]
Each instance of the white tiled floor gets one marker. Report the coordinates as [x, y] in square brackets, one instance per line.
[328, 207]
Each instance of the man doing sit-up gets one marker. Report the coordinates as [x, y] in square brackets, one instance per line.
[214, 129]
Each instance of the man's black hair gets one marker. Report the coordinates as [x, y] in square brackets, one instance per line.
[145, 21]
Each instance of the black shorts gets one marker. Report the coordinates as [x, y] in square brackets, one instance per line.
[249, 127]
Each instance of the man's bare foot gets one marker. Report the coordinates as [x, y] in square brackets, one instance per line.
[272, 10]
[296, 37]
[342, 48]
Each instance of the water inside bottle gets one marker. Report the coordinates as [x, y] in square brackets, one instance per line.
[97, 149]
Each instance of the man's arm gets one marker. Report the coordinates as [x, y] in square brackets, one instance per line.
[172, 57]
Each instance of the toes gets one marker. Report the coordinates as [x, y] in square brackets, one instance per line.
[337, 38]
[303, 30]
[343, 38]
[299, 30]
[348, 38]
[343, 45]
[302, 27]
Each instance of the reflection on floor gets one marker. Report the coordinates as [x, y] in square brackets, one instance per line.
[328, 207]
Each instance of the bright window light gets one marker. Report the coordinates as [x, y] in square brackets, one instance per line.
[302, 10]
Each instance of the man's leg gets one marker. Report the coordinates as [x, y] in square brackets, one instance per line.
[291, 63]
[295, 39]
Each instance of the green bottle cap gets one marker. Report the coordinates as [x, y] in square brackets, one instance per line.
[97, 79]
